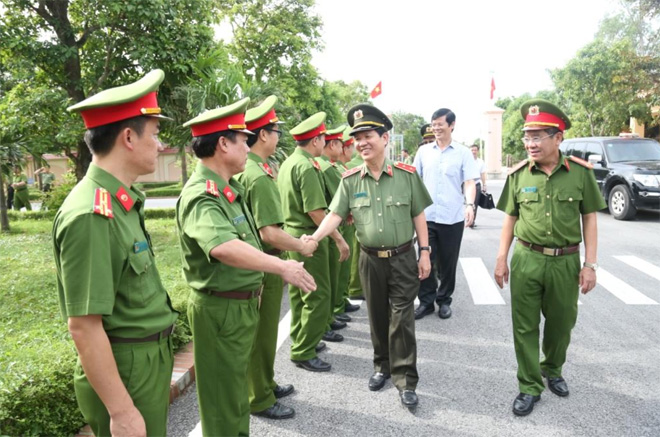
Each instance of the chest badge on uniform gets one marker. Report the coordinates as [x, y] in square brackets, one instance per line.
[140, 246]
[212, 188]
[229, 194]
[360, 194]
[266, 168]
[528, 190]
[124, 198]
[103, 203]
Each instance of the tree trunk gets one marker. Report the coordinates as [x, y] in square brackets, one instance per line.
[4, 219]
[184, 166]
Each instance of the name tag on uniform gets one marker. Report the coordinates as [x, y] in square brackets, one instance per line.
[528, 190]
[360, 194]
[140, 246]
[238, 220]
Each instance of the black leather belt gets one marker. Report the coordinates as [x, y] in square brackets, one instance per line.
[388, 253]
[551, 251]
[157, 336]
[240, 295]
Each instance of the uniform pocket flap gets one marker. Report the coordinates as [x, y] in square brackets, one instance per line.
[527, 197]
[140, 262]
[569, 196]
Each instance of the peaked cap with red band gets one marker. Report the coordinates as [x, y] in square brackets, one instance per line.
[231, 117]
[122, 103]
[335, 134]
[540, 114]
[347, 138]
[262, 115]
[310, 128]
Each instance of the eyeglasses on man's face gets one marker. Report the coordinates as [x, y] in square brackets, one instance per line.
[535, 140]
[279, 132]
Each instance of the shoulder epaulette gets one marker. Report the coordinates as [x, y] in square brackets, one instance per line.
[103, 203]
[518, 166]
[212, 188]
[266, 169]
[315, 164]
[352, 171]
[406, 167]
[581, 162]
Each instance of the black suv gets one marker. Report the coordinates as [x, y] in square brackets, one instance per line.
[627, 169]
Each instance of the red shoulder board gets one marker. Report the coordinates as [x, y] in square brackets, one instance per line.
[518, 166]
[266, 168]
[406, 167]
[229, 194]
[102, 203]
[212, 188]
[124, 199]
[352, 171]
[315, 163]
[581, 162]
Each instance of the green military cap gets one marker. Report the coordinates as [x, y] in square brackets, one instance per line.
[123, 102]
[262, 115]
[231, 117]
[540, 114]
[336, 133]
[426, 131]
[367, 117]
[313, 126]
[347, 138]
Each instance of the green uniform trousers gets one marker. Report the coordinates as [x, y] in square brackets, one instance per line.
[391, 286]
[548, 285]
[354, 284]
[348, 232]
[223, 331]
[334, 267]
[261, 370]
[309, 311]
[146, 371]
[22, 199]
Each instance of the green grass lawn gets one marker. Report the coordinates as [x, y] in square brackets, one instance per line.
[37, 354]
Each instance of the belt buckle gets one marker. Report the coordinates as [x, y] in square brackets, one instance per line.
[549, 251]
[384, 254]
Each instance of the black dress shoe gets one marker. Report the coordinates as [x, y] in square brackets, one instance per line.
[445, 311]
[283, 390]
[314, 365]
[333, 336]
[343, 317]
[349, 307]
[337, 325]
[377, 381]
[558, 386]
[319, 347]
[423, 311]
[277, 411]
[524, 404]
[408, 398]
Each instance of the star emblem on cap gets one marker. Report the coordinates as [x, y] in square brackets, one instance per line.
[358, 114]
[534, 110]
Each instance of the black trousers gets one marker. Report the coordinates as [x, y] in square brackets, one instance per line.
[476, 200]
[445, 242]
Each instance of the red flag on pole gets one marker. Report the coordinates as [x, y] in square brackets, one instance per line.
[377, 91]
[492, 87]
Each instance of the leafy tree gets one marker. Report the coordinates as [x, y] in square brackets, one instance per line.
[75, 47]
[348, 94]
[409, 125]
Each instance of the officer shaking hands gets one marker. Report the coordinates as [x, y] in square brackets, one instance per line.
[545, 198]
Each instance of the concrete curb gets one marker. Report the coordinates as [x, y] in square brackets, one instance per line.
[183, 376]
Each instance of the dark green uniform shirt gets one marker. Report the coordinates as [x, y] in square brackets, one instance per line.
[383, 210]
[331, 176]
[549, 207]
[261, 194]
[355, 161]
[105, 265]
[210, 212]
[301, 189]
[18, 179]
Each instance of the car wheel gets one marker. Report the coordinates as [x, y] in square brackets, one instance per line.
[620, 203]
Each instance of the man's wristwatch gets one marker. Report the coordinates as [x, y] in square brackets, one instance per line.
[593, 266]
[425, 248]
[470, 204]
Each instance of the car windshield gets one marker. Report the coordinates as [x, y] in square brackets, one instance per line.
[631, 150]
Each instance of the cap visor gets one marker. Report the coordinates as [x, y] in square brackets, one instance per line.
[535, 127]
[361, 129]
[245, 131]
[161, 116]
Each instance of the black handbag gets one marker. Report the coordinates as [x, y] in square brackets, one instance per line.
[486, 201]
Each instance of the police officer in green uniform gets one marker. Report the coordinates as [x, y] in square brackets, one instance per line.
[21, 193]
[331, 170]
[263, 200]
[119, 315]
[387, 201]
[47, 178]
[545, 197]
[426, 131]
[354, 285]
[223, 264]
[302, 192]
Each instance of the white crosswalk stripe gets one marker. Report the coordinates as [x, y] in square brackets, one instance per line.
[620, 289]
[641, 265]
[482, 288]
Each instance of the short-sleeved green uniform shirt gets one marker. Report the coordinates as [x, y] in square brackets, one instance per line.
[105, 265]
[331, 176]
[382, 209]
[549, 207]
[261, 194]
[301, 189]
[47, 178]
[210, 212]
[20, 178]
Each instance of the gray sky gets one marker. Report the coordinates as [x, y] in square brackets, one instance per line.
[433, 54]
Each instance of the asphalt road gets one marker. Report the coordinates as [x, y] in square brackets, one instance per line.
[467, 364]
